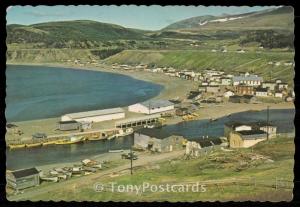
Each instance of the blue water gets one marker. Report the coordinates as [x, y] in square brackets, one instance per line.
[37, 92]
[193, 130]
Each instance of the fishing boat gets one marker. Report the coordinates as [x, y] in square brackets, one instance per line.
[92, 138]
[111, 137]
[213, 119]
[33, 145]
[123, 133]
[70, 140]
[16, 146]
[48, 143]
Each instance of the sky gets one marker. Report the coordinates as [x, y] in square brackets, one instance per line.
[139, 17]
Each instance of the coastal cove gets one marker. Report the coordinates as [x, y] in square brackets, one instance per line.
[193, 130]
[32, 89]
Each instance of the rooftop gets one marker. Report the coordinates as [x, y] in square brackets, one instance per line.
[247, 78]
[141, 118]
[251, 132]
[95, 113]
[25, 172]
[157, 103]
[156, 133]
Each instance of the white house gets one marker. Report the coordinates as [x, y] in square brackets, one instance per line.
[227, 94]
[250, 80]
[262, 92]
[225, 81]
[152, 107]
[270, 85]
[95, 116]
[278, 95]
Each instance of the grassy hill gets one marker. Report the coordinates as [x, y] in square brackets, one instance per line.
[199, 60]
[69, 33]
[281, 18]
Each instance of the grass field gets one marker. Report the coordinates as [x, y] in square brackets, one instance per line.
[228, 176]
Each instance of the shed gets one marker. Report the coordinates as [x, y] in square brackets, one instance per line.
[22, 179]
[68, 125]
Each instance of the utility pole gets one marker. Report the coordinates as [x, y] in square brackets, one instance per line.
[268, 122]
[131, 156]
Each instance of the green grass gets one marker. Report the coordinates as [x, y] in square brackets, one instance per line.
[218, 165]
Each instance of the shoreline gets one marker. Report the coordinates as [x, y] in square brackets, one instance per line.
[168, 84]
[172, 87]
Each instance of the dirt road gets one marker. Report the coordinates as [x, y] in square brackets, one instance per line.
[144, 159]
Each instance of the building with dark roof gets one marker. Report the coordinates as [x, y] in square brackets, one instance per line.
[68, 125]
[246, 138]
[21, 179]
[158, 141]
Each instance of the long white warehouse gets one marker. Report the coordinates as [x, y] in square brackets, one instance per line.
[95, 116]
[152, 107]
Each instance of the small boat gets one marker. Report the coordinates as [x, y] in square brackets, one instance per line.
[48, 143]
[115, 151]
[33, 145]
[213, 119]
[123, 133]
[50, 178]
[149, 126]
[94, 138]
[70, 140]
[16, 146]
[111, 137]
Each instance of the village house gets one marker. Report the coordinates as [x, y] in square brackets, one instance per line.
[242, 99]
[226, 81]
[270, 85]
[261, 92]
[213, 89]
[181, 111]
[282, 86]
[202, 88]
[148, 139]
[21, 179]
[227, 94]
[235, 126]
[194, 95]
[278, 94]
[247, 79]
[266, 127]
[246, 138]
[244, 90]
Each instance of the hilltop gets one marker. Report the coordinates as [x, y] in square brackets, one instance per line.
[86, 33]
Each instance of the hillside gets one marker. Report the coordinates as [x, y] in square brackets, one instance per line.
[69, 33]
[199, 60]
[280, 18]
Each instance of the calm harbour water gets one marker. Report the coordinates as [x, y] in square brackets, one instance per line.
[37, 92]
[193, 130]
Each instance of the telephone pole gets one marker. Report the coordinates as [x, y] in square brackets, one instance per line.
[268, 122]
[131, 156]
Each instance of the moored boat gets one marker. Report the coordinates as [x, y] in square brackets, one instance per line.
[33, 145]
[123, 133]
[16, 146]
[70, 140]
